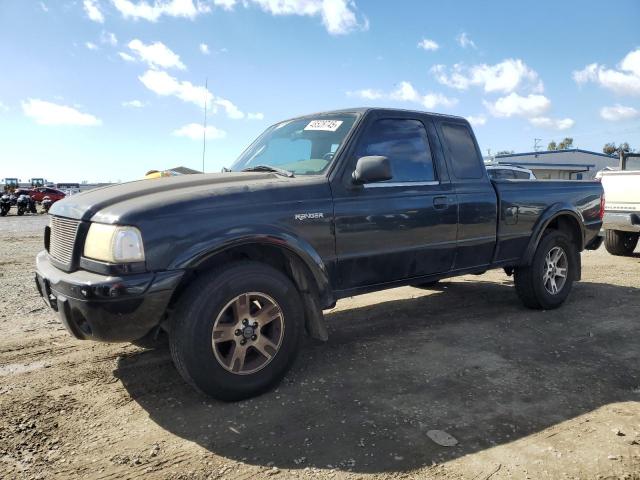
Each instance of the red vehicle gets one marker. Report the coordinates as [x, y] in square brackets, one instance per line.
[40, 192]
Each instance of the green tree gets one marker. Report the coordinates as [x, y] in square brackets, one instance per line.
[552, 145]
[609, 148]
[566, 143]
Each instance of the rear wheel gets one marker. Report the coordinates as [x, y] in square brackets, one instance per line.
[237, 330]
[620, 243]
[546, 283]
[20, 211]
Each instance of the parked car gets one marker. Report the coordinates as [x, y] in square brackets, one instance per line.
[54, 194]
[622, 208]
[509, 172]
[235, 265]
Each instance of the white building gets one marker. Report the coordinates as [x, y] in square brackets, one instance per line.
[573, 164]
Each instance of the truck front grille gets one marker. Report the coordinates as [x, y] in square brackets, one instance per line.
[63, 238]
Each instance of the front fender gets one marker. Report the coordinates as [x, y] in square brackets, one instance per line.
[551, 213]
[266, 235]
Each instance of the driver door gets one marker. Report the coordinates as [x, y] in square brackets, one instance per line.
[401, 228]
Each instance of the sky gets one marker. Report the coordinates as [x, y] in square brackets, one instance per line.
[104, 90]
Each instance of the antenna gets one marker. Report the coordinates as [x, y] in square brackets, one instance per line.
[204, 129]
[536, 141]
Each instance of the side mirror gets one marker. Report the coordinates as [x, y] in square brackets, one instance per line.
[372, 169]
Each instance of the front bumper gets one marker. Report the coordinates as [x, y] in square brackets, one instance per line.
[106, 308]
[624, 221]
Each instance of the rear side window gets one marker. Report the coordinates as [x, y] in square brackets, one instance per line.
[464, 157]
[405, 143]
[500, 173]
[521, 175]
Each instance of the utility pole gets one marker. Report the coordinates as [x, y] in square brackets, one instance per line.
[536, 141]
[204, 129]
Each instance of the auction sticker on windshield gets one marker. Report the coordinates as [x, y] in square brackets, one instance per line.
[324, 125]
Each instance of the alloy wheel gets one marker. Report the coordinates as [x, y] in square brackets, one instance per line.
[556, 265]
[248, 333]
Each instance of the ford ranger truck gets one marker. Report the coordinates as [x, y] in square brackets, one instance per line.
[235, 266]
[622, 208]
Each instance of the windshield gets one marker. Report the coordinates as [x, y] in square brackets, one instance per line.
[303, 146]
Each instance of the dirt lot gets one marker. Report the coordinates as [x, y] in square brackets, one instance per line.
[527, 394]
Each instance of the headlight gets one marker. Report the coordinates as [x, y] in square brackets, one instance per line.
[114, 244]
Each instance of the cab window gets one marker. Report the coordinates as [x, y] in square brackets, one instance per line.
[405, 143]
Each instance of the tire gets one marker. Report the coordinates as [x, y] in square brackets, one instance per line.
[531, 282]
[620, 243]
[213, 300]
[3, 213]
[20, 211]
[426, 285]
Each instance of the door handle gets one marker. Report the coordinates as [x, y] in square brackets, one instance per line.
[440, 202]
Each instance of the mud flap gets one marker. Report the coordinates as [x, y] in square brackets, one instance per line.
[314, 318]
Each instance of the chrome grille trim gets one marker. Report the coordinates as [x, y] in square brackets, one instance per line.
[63, 238]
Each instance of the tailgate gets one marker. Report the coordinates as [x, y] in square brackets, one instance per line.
[622, 191]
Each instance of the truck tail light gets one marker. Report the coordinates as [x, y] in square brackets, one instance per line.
[602, 205]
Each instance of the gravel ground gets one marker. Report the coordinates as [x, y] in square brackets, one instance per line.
[527, 394]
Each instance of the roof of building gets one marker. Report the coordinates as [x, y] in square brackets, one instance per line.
[548, 152]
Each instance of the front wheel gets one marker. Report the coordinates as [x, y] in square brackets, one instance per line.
[237, 330]
[546, 283]
[620, 243]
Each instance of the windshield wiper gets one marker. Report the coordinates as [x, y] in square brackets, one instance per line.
[269, 168]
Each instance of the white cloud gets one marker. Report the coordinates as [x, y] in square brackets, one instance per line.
[204, 49]
[464, 41]
[551, 123]
[367, 94]
[477, 120]
[91, 46]
[93, 11]
[195, 131]
[255, 116]
[338, 16]
[47, 113]
[505, 77]
[225, 4]
[133, 104]
[43, 7]
[625, 80]
[3, 108]
[109, 38]
[165, 85]
[153, 11]
[406, 92]
[156, 55]
[434, 100]
[428, 45]
[619, 112]
[126, 57]
[231, 110]
[520, 106]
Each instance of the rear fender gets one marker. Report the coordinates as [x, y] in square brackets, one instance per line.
[548, 216]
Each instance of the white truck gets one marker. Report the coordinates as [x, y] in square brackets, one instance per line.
[622, 208]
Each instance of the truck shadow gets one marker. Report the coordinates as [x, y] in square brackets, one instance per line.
[465, 358]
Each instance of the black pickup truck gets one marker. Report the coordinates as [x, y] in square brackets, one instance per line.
[234, 266]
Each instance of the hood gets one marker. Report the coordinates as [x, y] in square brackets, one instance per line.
[108, 204]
